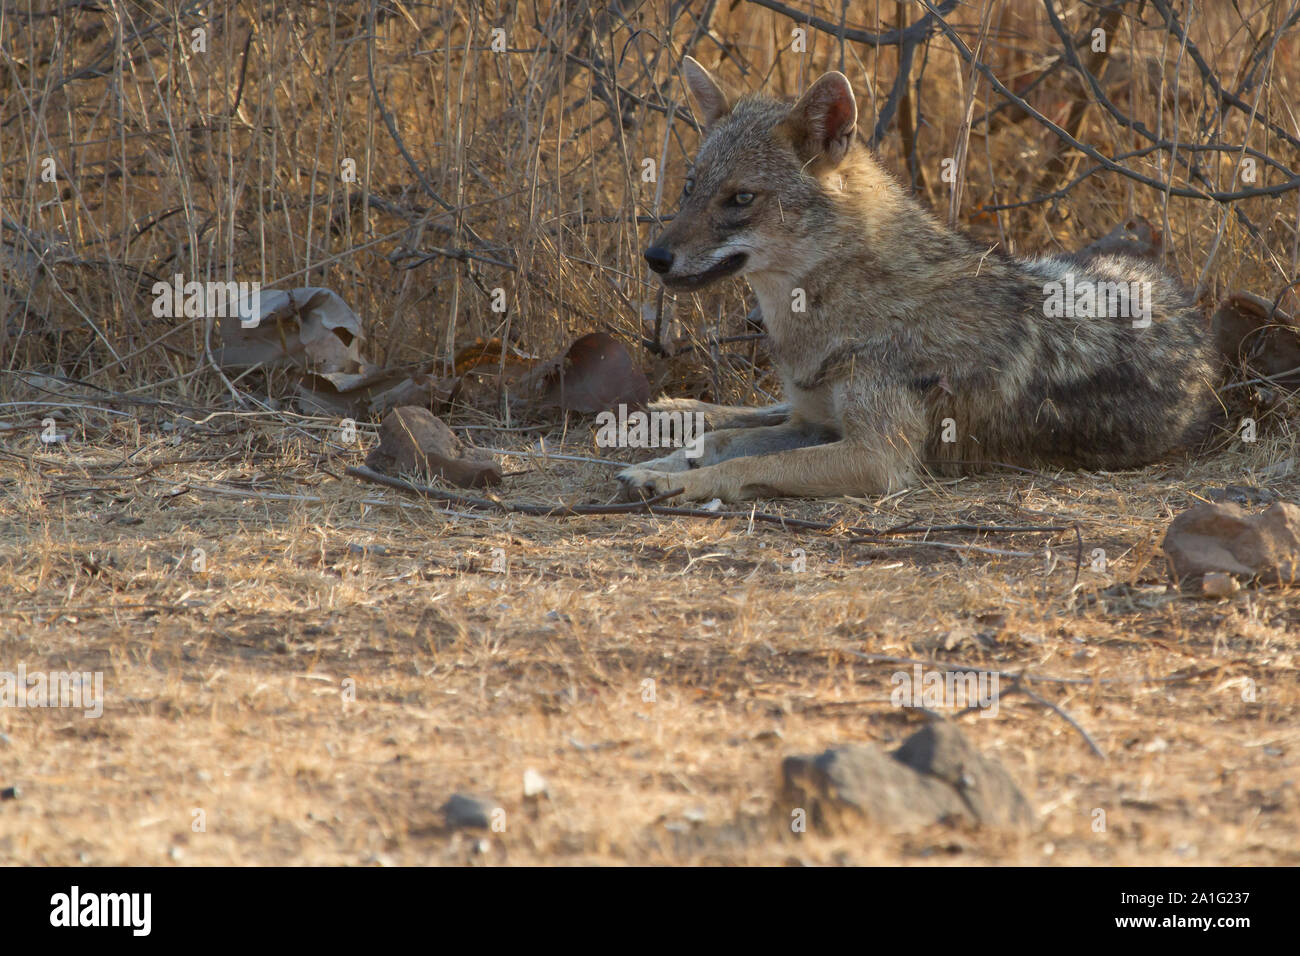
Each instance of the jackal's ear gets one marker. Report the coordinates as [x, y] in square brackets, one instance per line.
[709, 95]
[822, 124]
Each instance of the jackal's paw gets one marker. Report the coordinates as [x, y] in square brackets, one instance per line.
[640, 482]
[695, 485]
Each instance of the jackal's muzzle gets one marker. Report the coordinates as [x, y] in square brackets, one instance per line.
[661, 261]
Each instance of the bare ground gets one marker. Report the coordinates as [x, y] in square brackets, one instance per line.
[227, 689]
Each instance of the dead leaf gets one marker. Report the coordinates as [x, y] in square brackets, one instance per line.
[1133, 237]
[311, 328]
[1250, 335]
[373, 391]
[595, 374]
[489, 352]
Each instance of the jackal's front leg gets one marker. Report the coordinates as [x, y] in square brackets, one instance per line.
[717, 417]
[713, 447]
[878, 435]
[838, 468]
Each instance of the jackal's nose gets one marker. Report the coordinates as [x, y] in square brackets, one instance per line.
[659, 259]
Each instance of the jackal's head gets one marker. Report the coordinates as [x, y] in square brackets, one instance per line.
[761, 183]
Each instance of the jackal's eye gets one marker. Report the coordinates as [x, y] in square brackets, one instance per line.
[688, 186]
[742, 199]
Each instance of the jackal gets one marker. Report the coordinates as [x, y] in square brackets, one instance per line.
[901, 344]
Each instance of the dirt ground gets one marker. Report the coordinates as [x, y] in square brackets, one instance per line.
[337, 659]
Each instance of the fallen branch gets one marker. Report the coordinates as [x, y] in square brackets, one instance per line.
[504, 507]
[652, 506]
[1060, 712]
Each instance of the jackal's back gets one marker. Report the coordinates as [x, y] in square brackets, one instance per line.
[1036, 386]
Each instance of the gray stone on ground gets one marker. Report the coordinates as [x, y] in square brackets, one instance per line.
[464, 811]
[1243, 495]
[935, 776]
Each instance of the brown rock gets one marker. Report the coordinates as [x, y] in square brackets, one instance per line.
[1223, 538]
[935, 776]
[413, 439]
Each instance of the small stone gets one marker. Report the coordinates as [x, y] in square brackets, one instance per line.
[936, 775]
[10, 793]
[535, 785]
[463, 811]
[1243, 495]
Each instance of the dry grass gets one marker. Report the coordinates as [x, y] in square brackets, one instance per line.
[225, 687]
[224, 165]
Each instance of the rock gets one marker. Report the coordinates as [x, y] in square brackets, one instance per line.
[463, 811]
[1223, 538]
[535, 785]
[413, 439]
[935, 776]
[940, 751]
[695, 815]
[1243, 495]
[10, 793]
